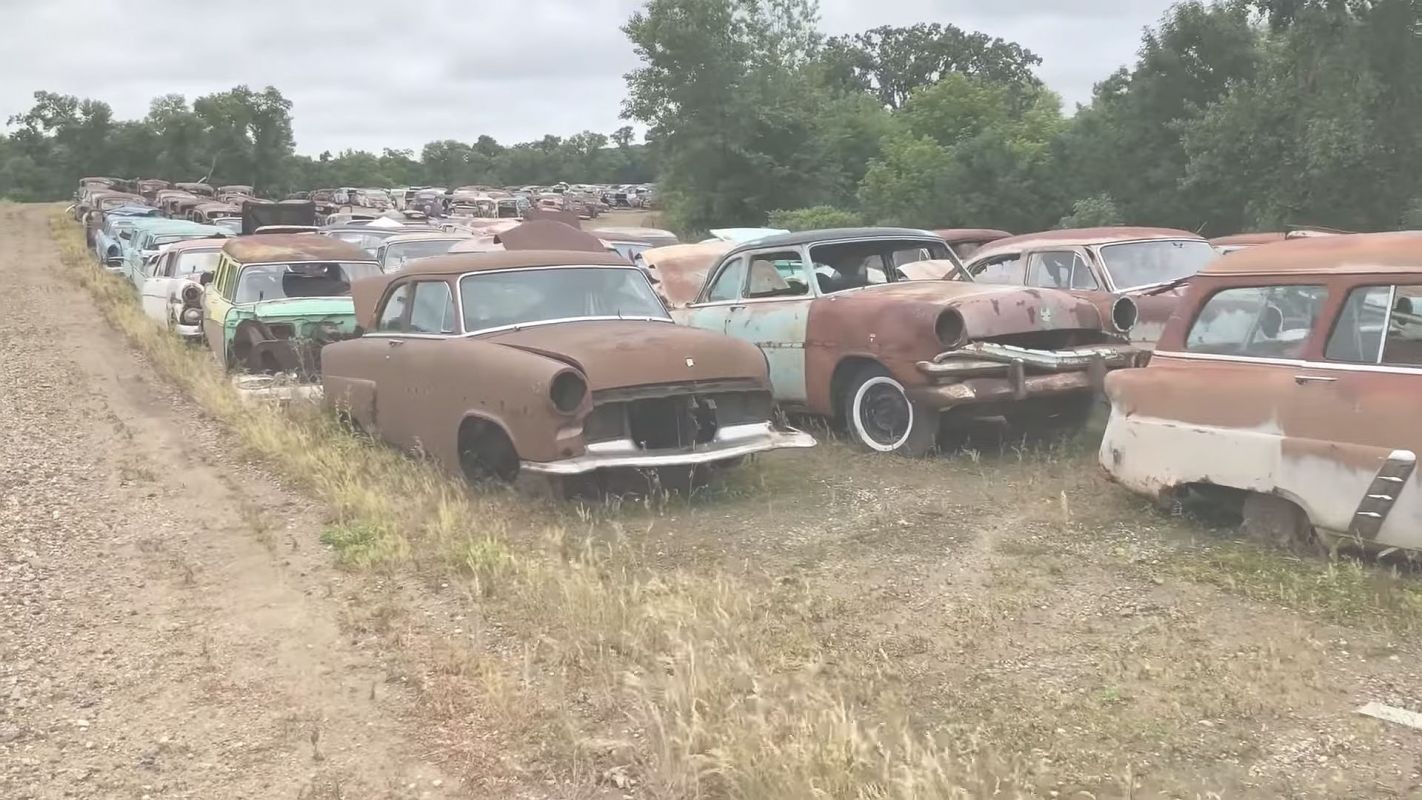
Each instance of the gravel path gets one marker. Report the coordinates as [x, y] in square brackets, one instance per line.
[169, 627]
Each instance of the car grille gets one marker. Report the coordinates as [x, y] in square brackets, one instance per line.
[675, 415]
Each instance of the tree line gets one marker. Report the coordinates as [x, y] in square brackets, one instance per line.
[1237, 115]
[242, 136]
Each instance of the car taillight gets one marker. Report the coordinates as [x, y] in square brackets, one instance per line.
[192, 295]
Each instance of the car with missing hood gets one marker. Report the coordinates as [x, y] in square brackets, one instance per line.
[275, 300]
[546, 363]
[1148, 265]
[848, 338]
[1286, 387]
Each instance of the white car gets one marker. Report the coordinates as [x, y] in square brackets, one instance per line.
[172, 291]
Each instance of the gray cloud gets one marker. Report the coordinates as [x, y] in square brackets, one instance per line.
[368, 75]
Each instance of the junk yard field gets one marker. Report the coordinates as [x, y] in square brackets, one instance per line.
[203, 594]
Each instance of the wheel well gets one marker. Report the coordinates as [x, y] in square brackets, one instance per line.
[488, 438]
[844, 372]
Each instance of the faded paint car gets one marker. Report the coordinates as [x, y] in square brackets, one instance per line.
[275, 300]
[1148, 265]
[114, 228]
[151, 235]
[1309, 353]
[1225, 245]
[632, 242]
[172, 290]
[847, 338]
[548, 363]
[964, 242]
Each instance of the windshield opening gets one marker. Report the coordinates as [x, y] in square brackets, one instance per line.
[525, 297]
[397, 255]
[1146, 263]
[260, 282]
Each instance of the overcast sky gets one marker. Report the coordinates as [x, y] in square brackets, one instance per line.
[365, 74]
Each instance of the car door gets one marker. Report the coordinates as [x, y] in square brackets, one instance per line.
[216, 303]
[713, 307]
[773, 314]
[1356, 452]
[157, 286]
[412, 363]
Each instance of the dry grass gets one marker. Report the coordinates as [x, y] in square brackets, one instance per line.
[717, 683]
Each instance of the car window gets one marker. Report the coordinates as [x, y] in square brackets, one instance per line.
[728, 282]
[855, 264]
[392, 315]
[433, 311]
[1259, 321]
[1008, 269]
[1379, 325]
[776, 275]
[1059, 269]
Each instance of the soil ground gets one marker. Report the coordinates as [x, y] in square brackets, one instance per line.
[171, 627]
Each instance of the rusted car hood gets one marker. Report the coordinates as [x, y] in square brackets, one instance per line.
[987, 309]
[621, 353]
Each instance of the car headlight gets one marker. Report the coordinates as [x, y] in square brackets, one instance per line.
[192, 294]
[191, 316]
[567, 392]
[952, 331]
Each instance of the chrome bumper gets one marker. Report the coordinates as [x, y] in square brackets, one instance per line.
[731, 442]
[988, 358]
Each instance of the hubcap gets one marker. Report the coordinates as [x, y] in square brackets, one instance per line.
[884, 414]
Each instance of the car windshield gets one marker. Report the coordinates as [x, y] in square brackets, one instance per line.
[195, 261]
[1145, 263]
[260, 282]
[233, 224]
[396, 255]
[529, 296]
[159, 241]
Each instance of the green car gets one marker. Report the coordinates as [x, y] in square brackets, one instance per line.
[276, 299]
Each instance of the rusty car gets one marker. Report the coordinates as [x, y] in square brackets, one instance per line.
[275, 300]
[847, 338]
[1238, 241]
[1310, 354]
[964, 242]
[548, 364]
[1148, 265]
[195, 187]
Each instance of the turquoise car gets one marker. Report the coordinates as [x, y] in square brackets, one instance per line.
[150, 236]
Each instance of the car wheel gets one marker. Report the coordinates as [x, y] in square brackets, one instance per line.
[882, 418]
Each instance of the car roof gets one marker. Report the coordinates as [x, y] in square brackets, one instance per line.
[1268, 237]
[215, 243]
[1399, 251]
[291, 248]
[1073, 237]
[961, 235]
[460, 263]
[831, 235]
[425, 236]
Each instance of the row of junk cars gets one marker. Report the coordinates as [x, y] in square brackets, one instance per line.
[1274, 374]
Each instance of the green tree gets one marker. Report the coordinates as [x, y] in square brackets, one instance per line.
[1091, 212]
[894, 62]
[814, 218]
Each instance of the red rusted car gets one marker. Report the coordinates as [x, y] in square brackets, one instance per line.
[1288, 386]
[546, 363]
[847, 337]
[1149, 265]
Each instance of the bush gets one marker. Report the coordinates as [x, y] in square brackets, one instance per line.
[814, 218]
[1091, 212]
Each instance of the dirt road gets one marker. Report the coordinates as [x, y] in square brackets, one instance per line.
[161, 634]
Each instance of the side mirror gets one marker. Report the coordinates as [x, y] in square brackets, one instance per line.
[205, 278]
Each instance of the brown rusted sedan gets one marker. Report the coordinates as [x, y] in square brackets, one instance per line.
[548, 363]
[1287, 385]
[1148, 265]
[965, 242]
[848, 338]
